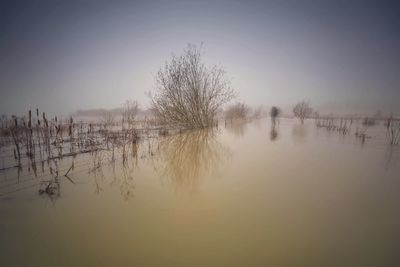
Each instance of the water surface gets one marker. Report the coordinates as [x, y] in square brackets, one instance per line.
[241, 195]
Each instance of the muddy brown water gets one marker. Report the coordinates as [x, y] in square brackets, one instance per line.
[244, 195]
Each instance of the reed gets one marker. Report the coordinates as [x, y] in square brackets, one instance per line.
[393, 131]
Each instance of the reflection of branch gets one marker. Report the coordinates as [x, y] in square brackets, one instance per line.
[124, 179]
[186, 157]
[97, 171]
[49, 184]
[299, 133]
[51, 188]
[127, 186]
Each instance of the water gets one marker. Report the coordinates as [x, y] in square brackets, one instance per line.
[240, 196]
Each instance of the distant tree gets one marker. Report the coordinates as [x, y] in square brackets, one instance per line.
[108, 118]
[302, 110]
[129, 112]
[274, 114]
[237, 111]
[258, 112]
[188, 92]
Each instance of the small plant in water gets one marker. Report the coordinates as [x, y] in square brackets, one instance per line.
[393, 131]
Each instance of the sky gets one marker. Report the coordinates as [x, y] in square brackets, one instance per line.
[342, 56]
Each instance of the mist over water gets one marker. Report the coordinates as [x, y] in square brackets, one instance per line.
[68, 55]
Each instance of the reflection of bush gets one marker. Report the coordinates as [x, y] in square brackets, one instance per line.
[368, 122]
[299, 133]
[273, 135]
[187, 157]
[238, 128]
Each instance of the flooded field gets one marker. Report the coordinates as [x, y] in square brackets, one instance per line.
[242, 194]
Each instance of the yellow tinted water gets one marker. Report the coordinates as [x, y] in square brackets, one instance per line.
[243, 195]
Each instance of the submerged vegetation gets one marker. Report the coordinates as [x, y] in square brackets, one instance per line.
[343, 125]
[39, 144]
[54, 149]
[64, 148]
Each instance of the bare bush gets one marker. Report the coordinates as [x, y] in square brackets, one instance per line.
[129, 112]
[237, 111]
[302, 110]
[189, 93]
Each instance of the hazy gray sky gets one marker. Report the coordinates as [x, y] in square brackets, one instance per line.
[343, 56]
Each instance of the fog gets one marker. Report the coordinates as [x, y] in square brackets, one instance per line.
[62, 56]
